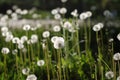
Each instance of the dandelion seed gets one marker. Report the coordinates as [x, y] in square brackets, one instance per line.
[53, 39]
[25, 71]
[5, 50]
[111, 40]
[34, 38]
[24, 38]
[101, 25]
[83, 16]
[9, 11]
[67, 25]
[40, 62]
[9, 38]
[31, 77]
[88, 13]
[57, 16]
[20, 46]
[109, 74]
[118, 78]
[46, 34]
[96, 28]
[54, 11]
[63, 1]
[4, 29]
[15, 40]
[116, 56]
[63, 10]
[74, 13]
[118, 36]
[26, 27]
[15, 51]
[59, 43]
[56, 28]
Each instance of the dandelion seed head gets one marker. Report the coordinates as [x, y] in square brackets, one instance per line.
[54, 11]
[40, 63]
[46, 34]
[83, 16]
[116, 56]
[63, 10]
[57, 16]
[118, 78]
[5, 50]
[15, 51]
[96, 28]
[63, 1]
[15, 40]
[4, 29]
[88, 13]
[56, 28]
[26, 27]
[31, 77]
[118, 36]
[109, 74]
[74, 13]
[34, 38]
[53, 39]
[25, 71]
[24, 38]
[67, 25]
[59, 43]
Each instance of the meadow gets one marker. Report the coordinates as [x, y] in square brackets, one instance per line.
[69, 50]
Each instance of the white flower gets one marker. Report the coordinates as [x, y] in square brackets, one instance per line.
[54, 11]
[25, 71]
[20, 46]
[9, 38]
[118, 36]
[26, 27]
[63, 1]
[5, 50]
[109, 74]
[56, 28]
[57, 16]
[46, 34]
[67, 25]
[101, 25]
[59, 43]
[9, 11]
[24, 38]
[89, 13]
[34, 38]
[53, 39]
[96, 27]
[83, 16]
[116, 56]
[111, 40]
[31, 77]
[63, 10]
[4, 29]
[40, 62]
[118, 78]
[15, 51]
[74, 13]
[15, 40]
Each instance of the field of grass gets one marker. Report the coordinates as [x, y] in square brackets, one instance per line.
[67, 51]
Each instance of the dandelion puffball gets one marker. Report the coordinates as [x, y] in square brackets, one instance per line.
[116, 56]
[40, 62]
[109, 74]
[31, 77]
[5, 50]
[46, 34]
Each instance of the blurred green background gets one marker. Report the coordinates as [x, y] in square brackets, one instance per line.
[71, 4]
